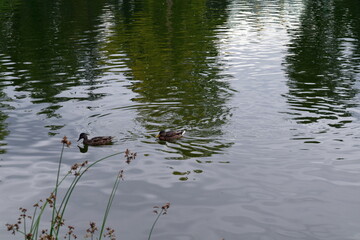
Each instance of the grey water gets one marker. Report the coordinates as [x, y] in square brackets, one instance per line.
[268, 92]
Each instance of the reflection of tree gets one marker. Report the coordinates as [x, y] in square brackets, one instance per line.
[169, 47]
[171, 51]
[173, 57]
[4, 6]
[320, 63]
[46, 53]
[3, 117]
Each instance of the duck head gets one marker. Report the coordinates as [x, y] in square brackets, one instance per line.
[83, 136]
[161, 133]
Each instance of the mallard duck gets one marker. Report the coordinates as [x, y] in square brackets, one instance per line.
[170, 135]
[96, 141]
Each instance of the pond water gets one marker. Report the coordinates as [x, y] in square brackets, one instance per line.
[266, 90]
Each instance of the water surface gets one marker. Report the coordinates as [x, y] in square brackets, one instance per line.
[267, 91]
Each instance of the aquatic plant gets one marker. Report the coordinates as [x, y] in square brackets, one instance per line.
[31, 231]
[58, 206]
[163, 211]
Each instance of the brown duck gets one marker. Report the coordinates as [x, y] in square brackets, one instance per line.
[96, 141]
[170, 135]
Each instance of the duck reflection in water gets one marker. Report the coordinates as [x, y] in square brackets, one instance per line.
[83, 149]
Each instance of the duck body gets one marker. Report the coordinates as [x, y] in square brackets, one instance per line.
[96, 141]
[170, 135]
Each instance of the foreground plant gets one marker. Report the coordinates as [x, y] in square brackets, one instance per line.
[58, 206]
[31, 231]
[163, 211]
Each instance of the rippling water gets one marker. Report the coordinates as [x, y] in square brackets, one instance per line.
[267, 91]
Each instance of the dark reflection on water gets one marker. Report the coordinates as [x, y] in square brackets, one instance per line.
[323, 63]
[169, 53]
[3, 125]
[43, 57]
[175, 71]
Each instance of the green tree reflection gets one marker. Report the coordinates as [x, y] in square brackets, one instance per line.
[47, 55]
[169, 48]
[3, 126]
[323, 63]
[172, 53]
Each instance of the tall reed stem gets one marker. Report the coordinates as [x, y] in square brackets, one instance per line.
[54, 214]
[152, 228]
[108, 206]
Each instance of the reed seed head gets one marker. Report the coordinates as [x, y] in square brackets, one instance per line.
[164, 208]
[70, 233]
[121, 174]
[129, 156]
[92, 229]
[29, 236]
[12, 227]
[66, 141]
[110, 233]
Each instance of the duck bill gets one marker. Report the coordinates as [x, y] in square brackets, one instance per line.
[157, 136]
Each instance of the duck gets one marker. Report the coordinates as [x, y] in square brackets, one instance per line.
[96, 141]
[170, 135]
